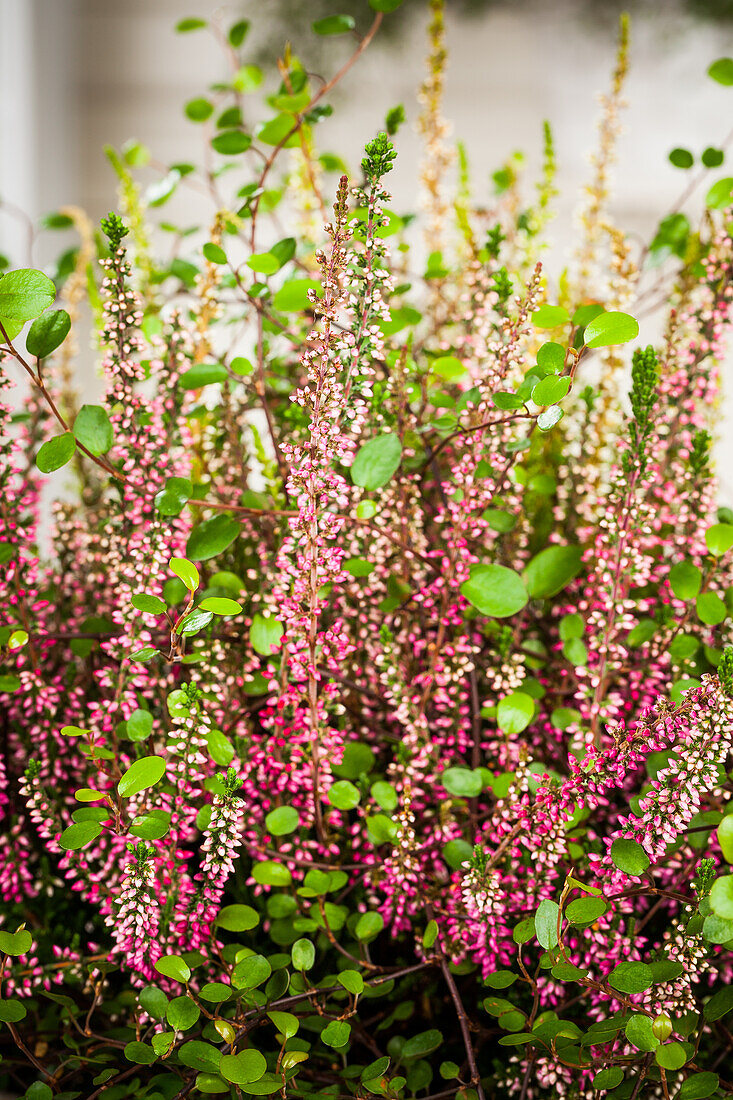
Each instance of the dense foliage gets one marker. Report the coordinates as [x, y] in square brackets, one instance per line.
[366, 729]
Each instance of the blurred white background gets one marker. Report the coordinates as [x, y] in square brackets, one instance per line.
[78, 74]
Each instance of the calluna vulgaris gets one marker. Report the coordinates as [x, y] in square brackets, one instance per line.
[366, 730]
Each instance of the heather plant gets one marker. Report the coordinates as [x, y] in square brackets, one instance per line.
[367, 714]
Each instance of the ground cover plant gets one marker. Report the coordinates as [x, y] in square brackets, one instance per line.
[366, 714]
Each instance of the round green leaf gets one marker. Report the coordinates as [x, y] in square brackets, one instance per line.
[269, 873]
[24, 294]
[15, 943]
[264, 634]
[12, 1012]
[423, 1044]
[377, 461]
[142, 774]
[343, 795]
[722, 70]
[720, 195]
[151, 605]
[495, 590]
[712, 157]
[698, 1086]
[55, 452]
[220, 605]
[200, 1056]
[462, 782]
[79, 835]
[551, 357]
[199, 109]
[140, 1053]
[230, 143]
[710, 608]
[640, 1034]
[242, 1068]
[671, 1056]
[549, 571]
[515, 712]
[611, 328]
[334, 24]
[47, 333]
[303, 954]
[721, 897]
[93, 429]
[182, 1013]
[238, 918]
[719, 538]
[585, 910]
[629, 857]
[631, 977]
[725, 837]
[608, 1078]
[185, 571]
[292, 297]
[212, 537]
[685, 580]
[681, 158]
[368, 926]
[550, 390]
[550, 316]
[173, 966]
[202, 374]
[283, 820]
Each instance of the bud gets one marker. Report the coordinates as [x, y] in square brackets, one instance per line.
[662, 1026]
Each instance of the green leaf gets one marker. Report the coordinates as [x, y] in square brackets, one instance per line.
[151, 605]
[202, 374]
[238, 32]
[385, 5]
[186, 571]
[550, 316]
[721, 897]
[377, 461]
[24, 294]
[343, 795]
[712, 157]
[277, 130]
[698, 1086]
[671, 1056]
[551, 357]
[264, 634]
[12, 1012]
[47, 333]
[220, 605]
[243, 1068]
[448, 367]
[182, 1013]
[719, 538]
[140, 1053]
[15, 943]
[550, 390]
[200, 1056]
[171, 500]
[184, 26]
[719, 197]
[368, 926]
[631, 977]
[238, 918]
[423, 1044]
[251, 972]
[685, 580]
[142, 774]
[546, 922]
[549, 571]
[336, 1033]
[93, 429]
[710, 608]
[725, 837]
[495, 590]
[151, 826]
[303, 954]
[720, 1004]
[585, 910]
[375, 1069]
[334, 24]
[55, 452]
[639, 1033]
[248, 78]
[216, 992]
[199, 109]
[269, 873]
[173, 966]
[608, 1078]
[681, 158]
[629, 857]
[79, 835]
[214, 253]
[212, 537]
[292, 297]
[231, 143]
[722, 70]
[515, 712]
[462, 782]
[611, 328]
[194, 622]
[264, 263]
[285, 1022]
[283, 820]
